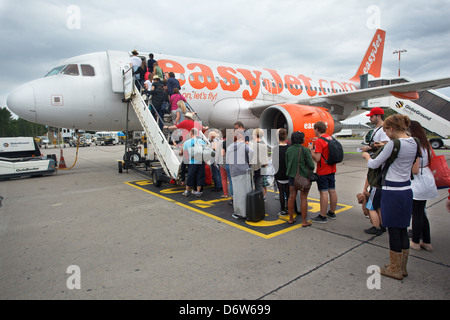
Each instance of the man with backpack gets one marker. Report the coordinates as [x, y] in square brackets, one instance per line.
[378, 139]
[327, 153]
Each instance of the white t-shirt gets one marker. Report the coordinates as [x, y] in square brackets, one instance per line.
[423, 184]
[135, 62]
[149, 84]
[379, 135]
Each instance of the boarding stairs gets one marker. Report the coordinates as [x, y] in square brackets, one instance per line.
[432, 109]
[165, 152]
[167, 157]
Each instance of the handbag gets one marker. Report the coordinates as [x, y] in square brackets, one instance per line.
[441, 172]
[300, 182]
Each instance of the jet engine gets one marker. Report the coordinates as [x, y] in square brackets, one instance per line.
[295, 117]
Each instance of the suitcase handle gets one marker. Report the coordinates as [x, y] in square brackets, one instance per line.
[250, 173]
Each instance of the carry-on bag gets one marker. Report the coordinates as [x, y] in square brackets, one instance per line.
[255, 206]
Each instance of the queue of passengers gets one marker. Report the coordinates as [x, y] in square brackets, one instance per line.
[389, 208]
[398, 201]
[244, 150]
[408, 184]
[164, 91]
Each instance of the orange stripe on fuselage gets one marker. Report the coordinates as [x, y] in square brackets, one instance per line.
[202, 77]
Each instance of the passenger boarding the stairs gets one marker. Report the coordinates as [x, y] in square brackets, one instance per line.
[174, 99]
[159, 96]
[196, 167]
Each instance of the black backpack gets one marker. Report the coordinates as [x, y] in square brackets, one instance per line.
[336, 154]
[377, 177]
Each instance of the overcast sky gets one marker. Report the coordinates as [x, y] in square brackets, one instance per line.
[323, 37]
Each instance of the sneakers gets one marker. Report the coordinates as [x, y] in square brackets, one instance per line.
[319, 219]
[195, 193]
[282, 213]
[374, 231]
[331, 215]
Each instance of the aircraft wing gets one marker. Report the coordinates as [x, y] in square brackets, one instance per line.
[355, 97]
[383, 91]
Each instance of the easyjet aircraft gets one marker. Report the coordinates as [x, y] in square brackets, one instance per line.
[85, 92]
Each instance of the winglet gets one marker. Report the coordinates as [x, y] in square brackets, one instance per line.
[374, 56]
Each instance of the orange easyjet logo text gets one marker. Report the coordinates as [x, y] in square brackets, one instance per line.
[202, 77]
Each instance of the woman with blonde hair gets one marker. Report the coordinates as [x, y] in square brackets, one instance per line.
[396, 192]
[176, 100]
[259, 160]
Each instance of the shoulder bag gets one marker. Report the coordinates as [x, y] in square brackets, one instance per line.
[300, 182]
[441, 172]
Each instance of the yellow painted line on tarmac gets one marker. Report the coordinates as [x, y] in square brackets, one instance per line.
[207, 204]
[208, 214]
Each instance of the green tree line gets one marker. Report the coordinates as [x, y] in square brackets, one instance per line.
[10, 127]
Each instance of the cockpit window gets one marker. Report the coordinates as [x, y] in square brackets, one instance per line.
[87, 70]
[71, 70]
[55, 71]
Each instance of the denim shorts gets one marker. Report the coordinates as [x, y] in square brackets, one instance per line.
[373, 203]
[326, 182]
[196, 175]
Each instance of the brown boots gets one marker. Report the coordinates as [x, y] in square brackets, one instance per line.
[397, 267]
[405, 255]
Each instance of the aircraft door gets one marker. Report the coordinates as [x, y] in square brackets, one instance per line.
[118, 61]
[271, 85]
[266, 85]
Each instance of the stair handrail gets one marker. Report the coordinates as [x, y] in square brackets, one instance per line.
[142, 107]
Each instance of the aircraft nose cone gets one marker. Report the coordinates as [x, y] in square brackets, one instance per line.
[22, 102]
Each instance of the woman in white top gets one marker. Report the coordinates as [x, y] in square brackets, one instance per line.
[396, 192]
[424, 188]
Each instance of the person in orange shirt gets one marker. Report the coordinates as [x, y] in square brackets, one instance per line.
[326, 172]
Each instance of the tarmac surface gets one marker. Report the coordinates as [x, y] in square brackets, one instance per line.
[93, 233]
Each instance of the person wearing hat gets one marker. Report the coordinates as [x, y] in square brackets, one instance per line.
[135, 64]
[135, 61]
[156, 82]
[378, 139]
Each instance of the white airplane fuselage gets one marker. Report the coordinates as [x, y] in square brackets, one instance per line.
[86, 92]
[221, 93]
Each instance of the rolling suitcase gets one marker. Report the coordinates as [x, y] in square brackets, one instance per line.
[255, 207]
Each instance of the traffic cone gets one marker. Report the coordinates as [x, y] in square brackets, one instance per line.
[62, 162]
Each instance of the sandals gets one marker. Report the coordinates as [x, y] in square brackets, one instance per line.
[306, 224]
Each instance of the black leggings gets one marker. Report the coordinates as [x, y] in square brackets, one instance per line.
[398, 239]
[283, 188]
[420, 224]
